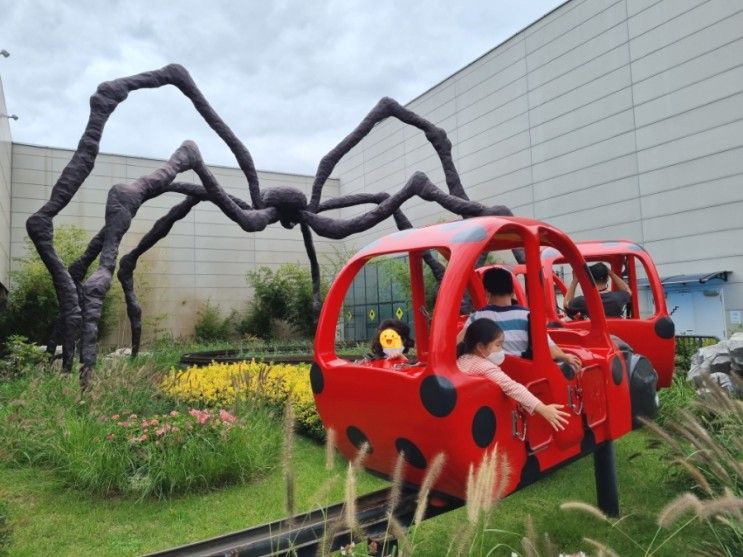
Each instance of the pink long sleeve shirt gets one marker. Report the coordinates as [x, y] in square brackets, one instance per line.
[477, 365]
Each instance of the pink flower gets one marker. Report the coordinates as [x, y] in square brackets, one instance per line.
[202, 416]
[110, 437]
[174, 413]
[226, 417]
[115, 417]
[133, 417]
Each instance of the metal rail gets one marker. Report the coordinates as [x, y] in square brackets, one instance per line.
[303, 535]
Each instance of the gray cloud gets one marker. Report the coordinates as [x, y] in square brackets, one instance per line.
[290, 77]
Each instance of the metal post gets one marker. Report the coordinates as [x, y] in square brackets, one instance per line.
[605, 470]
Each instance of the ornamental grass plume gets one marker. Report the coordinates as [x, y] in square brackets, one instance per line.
[429, 480]
[287, 459]
[349, 507]
[329, 448]
[601, 549]
[486, 484]
[361, 454]
[586, 508]
[396, 488]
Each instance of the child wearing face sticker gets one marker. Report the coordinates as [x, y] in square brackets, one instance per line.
[392, 341]
[481, 353]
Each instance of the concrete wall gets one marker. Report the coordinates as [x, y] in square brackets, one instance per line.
[205, 257]
[609, 119]
[5, 166]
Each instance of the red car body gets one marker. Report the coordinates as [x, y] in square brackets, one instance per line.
[429, 407]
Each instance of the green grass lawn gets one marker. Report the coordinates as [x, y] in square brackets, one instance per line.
[51, 520]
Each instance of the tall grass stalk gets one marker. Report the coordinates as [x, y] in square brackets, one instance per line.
[287, 460]
[330, 449]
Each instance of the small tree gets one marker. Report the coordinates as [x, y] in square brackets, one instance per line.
[31, 308]
[281, 294]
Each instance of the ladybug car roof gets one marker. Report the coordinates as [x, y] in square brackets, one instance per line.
[472, 231]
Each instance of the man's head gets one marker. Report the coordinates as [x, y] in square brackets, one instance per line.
[600, 273]
[498, 282]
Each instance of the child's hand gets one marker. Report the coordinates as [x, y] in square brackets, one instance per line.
[554, 414]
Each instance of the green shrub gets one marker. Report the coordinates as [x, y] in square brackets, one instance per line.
[32, 308]
[21, 356]
[211, 326]
[284, 294]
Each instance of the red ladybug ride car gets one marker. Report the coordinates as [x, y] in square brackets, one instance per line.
[425, 407]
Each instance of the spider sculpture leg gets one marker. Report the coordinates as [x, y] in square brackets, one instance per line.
[401, 220]
[128, 263]
[418, 185]
[103, 102]
[385, 108]
[123, 203]
[161, 228]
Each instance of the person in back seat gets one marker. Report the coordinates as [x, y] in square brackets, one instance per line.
[614, 301]
[512, 318]
[392, 341]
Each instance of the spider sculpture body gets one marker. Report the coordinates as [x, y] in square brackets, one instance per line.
[81, 300]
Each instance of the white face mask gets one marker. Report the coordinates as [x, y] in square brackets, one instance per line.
[392, 352]
[497, 357]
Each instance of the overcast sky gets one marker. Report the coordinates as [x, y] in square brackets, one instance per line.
[291, 78]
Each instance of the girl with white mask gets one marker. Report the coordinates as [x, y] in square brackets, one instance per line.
[481, 353]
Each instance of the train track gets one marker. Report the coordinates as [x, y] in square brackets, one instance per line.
[303, 535]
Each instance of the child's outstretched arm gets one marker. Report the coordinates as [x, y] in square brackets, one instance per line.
[554, 414]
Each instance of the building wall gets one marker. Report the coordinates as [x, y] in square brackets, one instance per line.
[5, 166]
[205, 257]
[608, 119]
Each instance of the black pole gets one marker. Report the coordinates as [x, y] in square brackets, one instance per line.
[605, 470]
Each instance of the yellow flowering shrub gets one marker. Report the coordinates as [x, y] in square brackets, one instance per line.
[220, 384]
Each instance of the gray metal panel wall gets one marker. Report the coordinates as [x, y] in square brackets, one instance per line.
[607, 118]
[205, 257]
[6, 147]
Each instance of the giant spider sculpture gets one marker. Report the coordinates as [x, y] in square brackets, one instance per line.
[80, 301]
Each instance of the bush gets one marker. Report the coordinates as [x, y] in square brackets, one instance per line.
[147, 446]
[21, 356]
[282, 294]
[32, 308]
[211, 326]
[223, 384]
